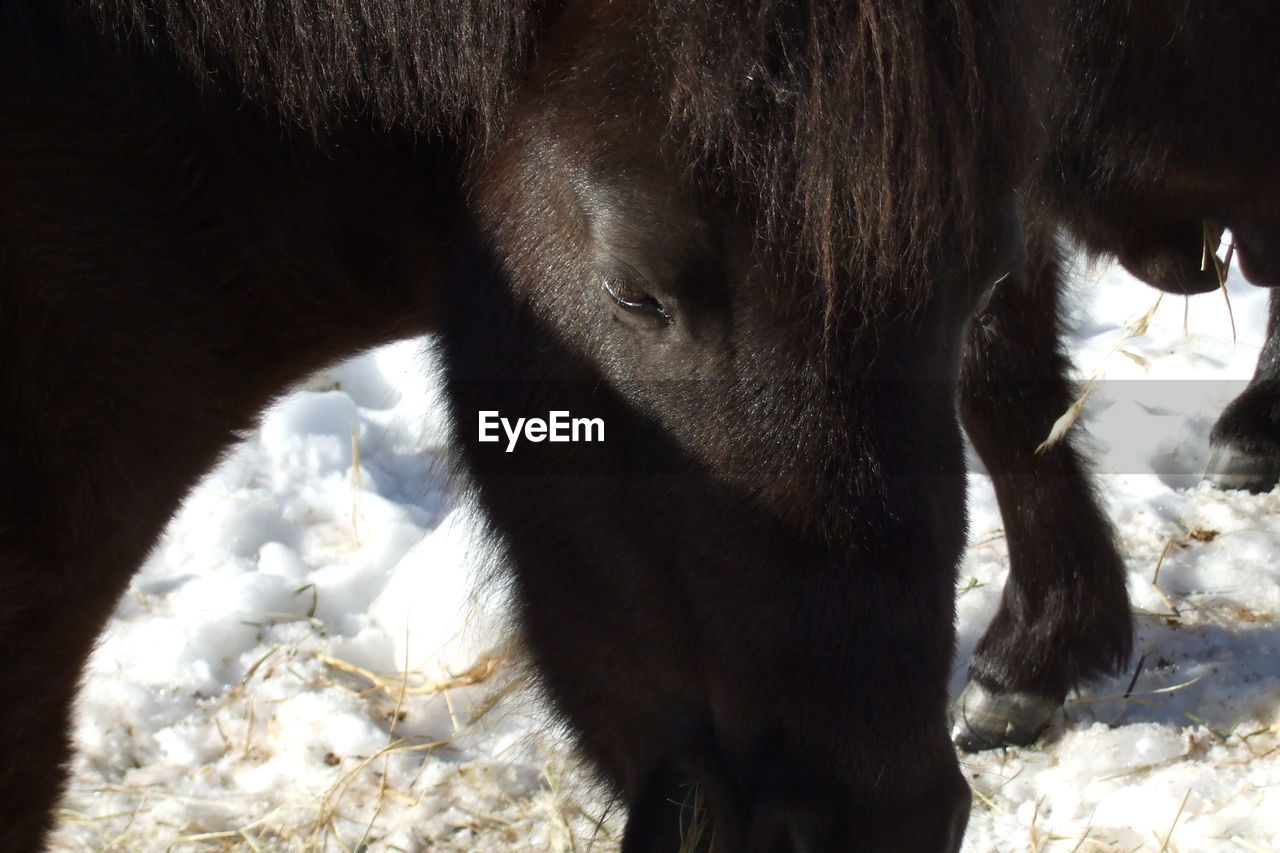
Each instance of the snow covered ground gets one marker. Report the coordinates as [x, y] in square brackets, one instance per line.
[308, 662]
[1191, 761]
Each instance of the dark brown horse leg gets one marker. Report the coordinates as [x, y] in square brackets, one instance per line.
[1064, 616]
[135, 344]
[94, 458]
[1245, 442]
[35, 693]
[49, 622]
[35, 749]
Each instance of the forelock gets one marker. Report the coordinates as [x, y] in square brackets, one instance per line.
[864, 133]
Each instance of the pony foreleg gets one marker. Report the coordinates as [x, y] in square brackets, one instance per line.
[54, 603]
[1064, 616]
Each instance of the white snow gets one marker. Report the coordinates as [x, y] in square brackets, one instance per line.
[1191, 761]
[308, 662]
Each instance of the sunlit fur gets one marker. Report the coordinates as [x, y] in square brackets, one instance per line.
[858, 128]
[749, 587]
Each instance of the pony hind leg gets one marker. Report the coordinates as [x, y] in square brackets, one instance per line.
[1245, 441]
[1064, 615]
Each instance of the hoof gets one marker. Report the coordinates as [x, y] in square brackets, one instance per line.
[1229, 468]
[985, 720]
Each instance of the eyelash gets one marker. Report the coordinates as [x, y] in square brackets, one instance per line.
[645, 305]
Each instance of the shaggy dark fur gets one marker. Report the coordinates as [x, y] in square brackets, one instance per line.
[750, 236]
[202, 202]
[1164, 134]
[169, 261]
[852, 126]
[1163, 127]
[437, 66]
[861, 129]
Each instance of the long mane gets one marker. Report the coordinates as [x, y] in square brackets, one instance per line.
[860, 125]
[865, 130]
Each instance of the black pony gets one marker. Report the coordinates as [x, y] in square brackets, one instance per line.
[1126, 173]
[749, 236]
[746, 235]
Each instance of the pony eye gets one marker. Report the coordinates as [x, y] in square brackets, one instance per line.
[634, 298]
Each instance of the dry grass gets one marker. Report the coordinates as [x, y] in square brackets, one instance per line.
[1133, 329]
[349, 814]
